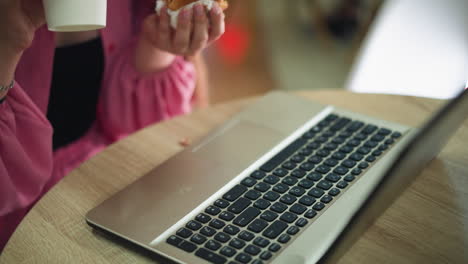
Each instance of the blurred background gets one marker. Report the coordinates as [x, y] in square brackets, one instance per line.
[411, 47]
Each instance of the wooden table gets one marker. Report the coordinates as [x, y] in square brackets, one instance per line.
[428, 224]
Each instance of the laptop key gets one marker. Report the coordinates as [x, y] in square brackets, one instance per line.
[331, 162]
[310, 214]
[249, 182]
[280, 172]
[222, 237]
[370, 144]
[306, 184]
[369, 129]
[281, 188]
[288, 199]
[187, 246]
[338, 155]
[231, 230]
[363, 165]
[269, 216]
[288, 217]
[355, 126]
[235, 193]
[307, 200]
[275, 247]
[377, 138]
[261, 242]
[370, 159]
[297, 191]
[184, 232]
[289, 165]
[212, 210]
[174, 240]
[210, 256]
[356, 156]
[247, 236]
[396, 135]
[315, 159]
[258, 175]
[198, 239]
[263, 187]
[341, 170]
[228, 251]
[237, 243]
[275, 229]
[221, 203]
[298, 209]
[342, 184]
[207, 231]
[278, 207]
[316, 192]
[239, 205]
[348, 163]
[257, 225]
[356, 171]
[383, 147]
[203, 218]
[262, 204]
[297, 159]
[325, 185]
[307, 166]
[252, 194]
[289, 181]
[302, 222]
[271, 179]
[252, 250]
[333, 177]
[298, 173]
[340, 124]
[326, 199]
[266, 255]
[334, 191]
[243, 258]
[216, 223]
[246, 217]
[349, 178]
[271, 196]
[293, 230]
[283, 155]
[194, 225]
[284, 238]
[315, 176]
[227, 216]
[319, 206]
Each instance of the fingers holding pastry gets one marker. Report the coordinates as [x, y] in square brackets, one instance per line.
[200, 34]
[182, 35]
[217, 23]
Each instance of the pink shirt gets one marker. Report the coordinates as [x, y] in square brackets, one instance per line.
[129, 101]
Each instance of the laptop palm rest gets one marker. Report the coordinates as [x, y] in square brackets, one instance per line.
[155, 202]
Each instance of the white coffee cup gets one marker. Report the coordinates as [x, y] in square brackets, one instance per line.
[75, 15]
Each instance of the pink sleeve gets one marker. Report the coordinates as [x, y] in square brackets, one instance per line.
[131, 101]
[25, 152]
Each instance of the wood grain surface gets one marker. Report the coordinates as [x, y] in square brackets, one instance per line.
[427, 224]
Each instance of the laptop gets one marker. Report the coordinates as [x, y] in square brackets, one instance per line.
[285, 181]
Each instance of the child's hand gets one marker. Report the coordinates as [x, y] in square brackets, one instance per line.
[195, 30]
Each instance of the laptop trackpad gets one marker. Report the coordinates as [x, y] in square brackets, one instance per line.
[172, 190]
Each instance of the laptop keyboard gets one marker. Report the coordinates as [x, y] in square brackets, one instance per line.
[264, 212]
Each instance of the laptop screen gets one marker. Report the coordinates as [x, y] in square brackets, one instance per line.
[425, 145]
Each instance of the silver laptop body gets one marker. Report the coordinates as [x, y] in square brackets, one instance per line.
[278, 183]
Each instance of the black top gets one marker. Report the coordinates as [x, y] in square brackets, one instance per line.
[76, 82]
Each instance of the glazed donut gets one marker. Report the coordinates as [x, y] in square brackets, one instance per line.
[177, 4]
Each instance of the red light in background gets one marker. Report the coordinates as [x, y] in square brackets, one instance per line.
[234, 44]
